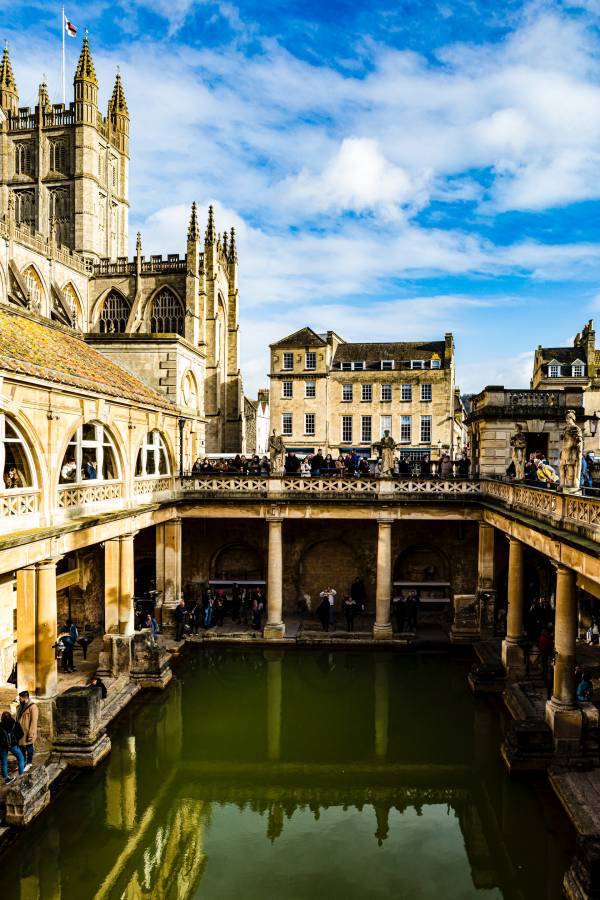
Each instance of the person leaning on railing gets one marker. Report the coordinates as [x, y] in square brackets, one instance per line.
[544, 472]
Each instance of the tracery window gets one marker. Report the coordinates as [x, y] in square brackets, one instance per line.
[15, 458]
[152, 459]
[60, 215]
[25, 208]
[115, 314]
[73, 305]
[90, 456]
[58, 157]
[23, 158]
[34, 288]
[168, 314]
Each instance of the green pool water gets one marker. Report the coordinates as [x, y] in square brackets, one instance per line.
[299, 775]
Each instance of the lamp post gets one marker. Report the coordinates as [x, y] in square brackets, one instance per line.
[593, 422]
[181, 423]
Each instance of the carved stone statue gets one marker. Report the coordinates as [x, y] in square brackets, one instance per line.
[276, 453]
[386, 447]
[518, 444]
[571, 453]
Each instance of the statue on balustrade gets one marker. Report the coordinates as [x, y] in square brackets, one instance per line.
[571, 453]
[386, 447]
[518, 444]
[276, 453]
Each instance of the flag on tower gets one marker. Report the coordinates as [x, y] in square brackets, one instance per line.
[70, 28]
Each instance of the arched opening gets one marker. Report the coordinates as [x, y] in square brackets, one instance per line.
[15, 457]
[152, 459]
[168, 313]
[35, 288]
[74, 304]
[114, 314]
[237, 562]
[421, 564]
[321, 565]
[90, 456]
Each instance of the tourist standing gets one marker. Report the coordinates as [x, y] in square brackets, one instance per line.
[350, 610]
[195, 613]
[329, 594]
[151, 624]
[323, 613]
[258, 608]
[27, 717]
[219, 609]
[399, 610]
[180, 616]
[208, 608]
[68, 642]
[585, 689]
[10, 735]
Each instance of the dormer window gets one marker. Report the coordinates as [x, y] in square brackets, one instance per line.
[577, 369]
[358, 366]
[554, 370]
[435, 364]
[346, 366]
[387, 365]
[417, 363]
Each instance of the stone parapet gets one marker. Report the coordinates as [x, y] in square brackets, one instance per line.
[149, 662]
[27, 797]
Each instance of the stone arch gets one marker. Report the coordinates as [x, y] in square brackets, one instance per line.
[117, 448]
[3, 286]
[237, 562]
[166, 311]
[36, 287]
[422, 562]
[112, 312]
[32, 448]
[330, 562]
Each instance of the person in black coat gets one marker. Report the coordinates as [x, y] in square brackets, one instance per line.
[358, 592]
[10, 735]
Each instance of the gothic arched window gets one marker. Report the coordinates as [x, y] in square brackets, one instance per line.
[115, 314]
[168, 314]
[25, 207]
[58, 157]
[23, 158]
[34, 288]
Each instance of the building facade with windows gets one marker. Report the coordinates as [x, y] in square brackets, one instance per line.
[64, 200]
[336, 395]
[568, 368]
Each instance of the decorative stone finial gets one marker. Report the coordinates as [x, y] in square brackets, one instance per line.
[138, 244]
[233, 257]
[117, 103]
[193, 230]
[210, 235]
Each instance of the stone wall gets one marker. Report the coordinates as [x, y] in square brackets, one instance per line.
[87, 596]
[318, 554]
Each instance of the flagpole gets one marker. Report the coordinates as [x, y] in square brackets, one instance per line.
[62, 31]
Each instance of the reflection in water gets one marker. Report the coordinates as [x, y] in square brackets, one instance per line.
[298, 775]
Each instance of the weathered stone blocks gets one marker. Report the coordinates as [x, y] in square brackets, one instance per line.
[80, 736]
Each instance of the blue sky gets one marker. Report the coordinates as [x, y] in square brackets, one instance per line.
[394, 170]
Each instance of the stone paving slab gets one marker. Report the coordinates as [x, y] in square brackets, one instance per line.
[579, 793]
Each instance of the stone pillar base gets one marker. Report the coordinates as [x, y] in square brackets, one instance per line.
[383, 632]
[513, 660]
[274, 632]
[115, 657]
[566, 724]
[27, 797]
[81, 755]
[149, 662]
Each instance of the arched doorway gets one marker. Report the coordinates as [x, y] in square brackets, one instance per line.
[237, 562]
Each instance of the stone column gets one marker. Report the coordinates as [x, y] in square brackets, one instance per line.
[168, 566]
[562, 713]
[46, 677]
[512, 653]
[382, 629]
[275, 628]
[274, 694]
[126, 585]
[486, 585]
[112, 585]
[26, 619]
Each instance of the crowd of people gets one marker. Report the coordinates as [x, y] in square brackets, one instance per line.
[538, 471]
[242, 605]
[351, 463]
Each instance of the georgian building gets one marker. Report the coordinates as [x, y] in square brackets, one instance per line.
[329, 393]
[64, 200]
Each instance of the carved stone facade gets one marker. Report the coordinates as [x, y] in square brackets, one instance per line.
[64, 236]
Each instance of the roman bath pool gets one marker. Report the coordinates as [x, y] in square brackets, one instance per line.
[299, 775]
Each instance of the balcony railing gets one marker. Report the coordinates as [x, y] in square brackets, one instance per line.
[333, 486]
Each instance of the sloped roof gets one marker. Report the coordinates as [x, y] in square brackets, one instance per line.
[43, 350]
[372, 353]
[561, 354]
[306, 337]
